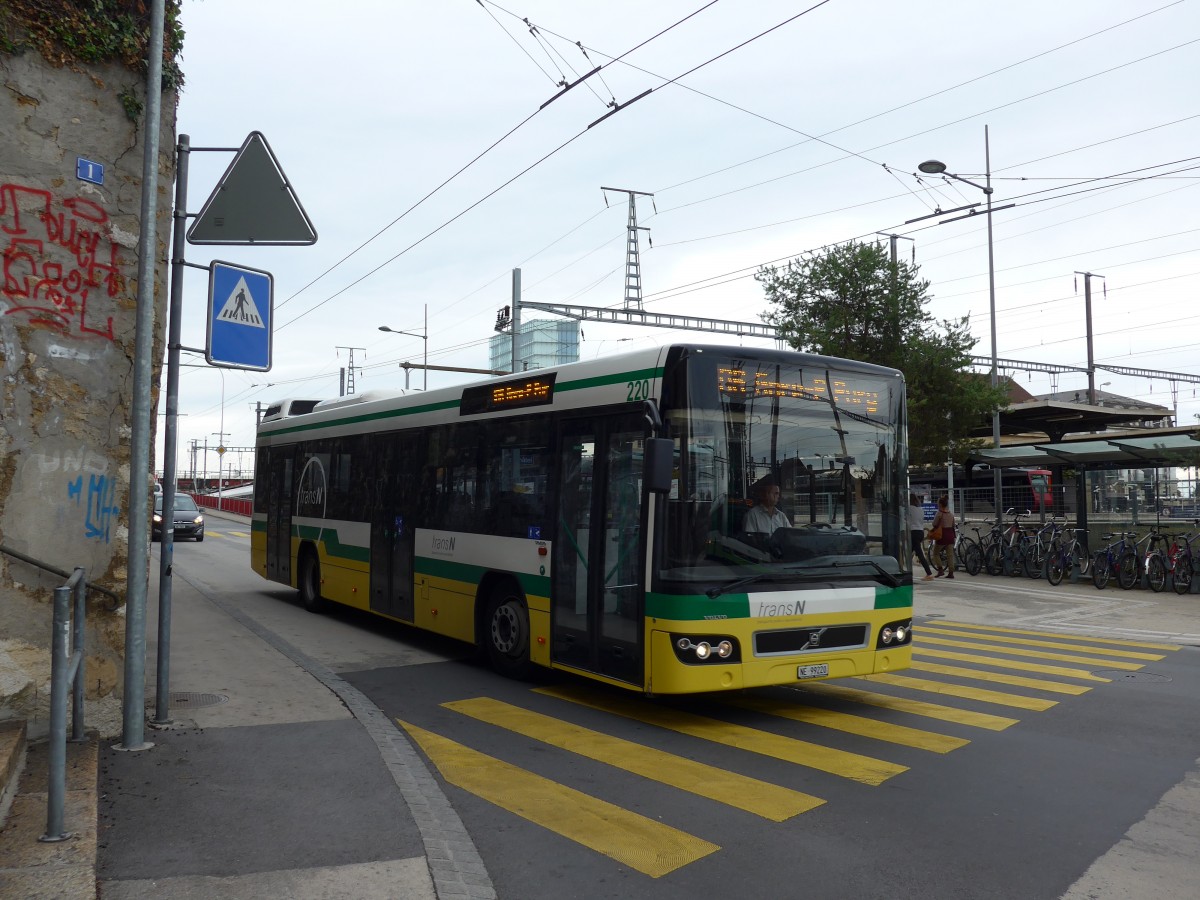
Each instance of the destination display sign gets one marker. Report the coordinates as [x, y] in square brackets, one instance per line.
[513, 394]
[841, 388]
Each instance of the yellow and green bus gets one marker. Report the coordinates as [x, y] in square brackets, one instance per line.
[597, 517]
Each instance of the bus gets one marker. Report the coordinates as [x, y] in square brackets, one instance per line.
[589, 517]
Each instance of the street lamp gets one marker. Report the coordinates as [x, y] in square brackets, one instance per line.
[424, 336]
[936, 167]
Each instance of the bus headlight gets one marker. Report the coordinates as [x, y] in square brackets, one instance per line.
[895, 634]
[691, 649]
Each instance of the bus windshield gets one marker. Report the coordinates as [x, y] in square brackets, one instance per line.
[783, 469]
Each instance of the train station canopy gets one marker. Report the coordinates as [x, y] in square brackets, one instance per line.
[1058, 418]
[1172, 447]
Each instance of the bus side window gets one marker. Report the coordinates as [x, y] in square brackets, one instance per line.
[517, 477]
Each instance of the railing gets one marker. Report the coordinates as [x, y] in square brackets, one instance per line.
[225, 504]
[66, 674]
[117, 599]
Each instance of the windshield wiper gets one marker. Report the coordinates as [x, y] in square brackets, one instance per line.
[714, 593]
[891, 579]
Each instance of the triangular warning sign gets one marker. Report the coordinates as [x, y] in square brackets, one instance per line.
[253, 203]
[239, 309]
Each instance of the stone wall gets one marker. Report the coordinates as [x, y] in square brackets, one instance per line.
[68, 303]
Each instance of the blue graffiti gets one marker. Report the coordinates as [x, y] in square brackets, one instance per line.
[101, 507]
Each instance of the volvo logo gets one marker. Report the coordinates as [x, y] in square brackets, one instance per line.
[814, 637]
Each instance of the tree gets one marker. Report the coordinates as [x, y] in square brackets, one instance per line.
[852, 301]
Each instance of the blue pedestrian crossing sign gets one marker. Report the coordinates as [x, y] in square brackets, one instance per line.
[240, 317]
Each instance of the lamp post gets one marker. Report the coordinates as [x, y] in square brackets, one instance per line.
[935, 167]
[424, 336]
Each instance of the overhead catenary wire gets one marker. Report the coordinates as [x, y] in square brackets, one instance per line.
[491, 147]
[668, 293]
[619, 58]
[930, 130]
[542, 159]
[910, 102]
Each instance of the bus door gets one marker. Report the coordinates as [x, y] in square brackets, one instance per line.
[597, 603]
[393, 521]
[279, 516]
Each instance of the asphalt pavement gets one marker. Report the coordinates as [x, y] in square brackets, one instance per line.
[280, 779]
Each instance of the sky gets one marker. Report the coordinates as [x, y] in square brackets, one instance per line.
[420, 141]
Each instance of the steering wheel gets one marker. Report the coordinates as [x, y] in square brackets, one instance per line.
[774, 545]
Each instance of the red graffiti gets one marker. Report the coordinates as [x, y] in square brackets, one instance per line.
[56, 259]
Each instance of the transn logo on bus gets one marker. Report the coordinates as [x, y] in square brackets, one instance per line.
[311, 494]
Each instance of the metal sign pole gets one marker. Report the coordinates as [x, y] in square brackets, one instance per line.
[166, 551]
[133, 713]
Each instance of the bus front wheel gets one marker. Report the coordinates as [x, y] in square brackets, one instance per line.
[506, 634]
[310, 582]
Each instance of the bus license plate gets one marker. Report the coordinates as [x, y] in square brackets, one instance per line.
[820, 670]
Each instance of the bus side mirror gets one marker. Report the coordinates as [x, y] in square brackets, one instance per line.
[657, 465]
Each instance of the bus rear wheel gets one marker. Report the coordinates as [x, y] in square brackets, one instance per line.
[310, 582]
[506, 634]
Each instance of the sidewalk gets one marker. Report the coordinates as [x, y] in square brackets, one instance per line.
[276, 778]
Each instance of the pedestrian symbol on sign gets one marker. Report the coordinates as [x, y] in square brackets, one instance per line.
[239, 308]
[240, 316]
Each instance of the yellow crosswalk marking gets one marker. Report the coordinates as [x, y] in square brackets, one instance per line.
[1024, 666]
[912, 707]
[968, 693]
[1091, 640]
[1040, 684]
[759, 797]
[1046, 645]
[860, 725]
[244, 534]
[633, 840]
[1035, 654]
[854, 766]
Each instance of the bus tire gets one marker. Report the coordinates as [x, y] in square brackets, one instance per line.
[506, 633]
[309, 581]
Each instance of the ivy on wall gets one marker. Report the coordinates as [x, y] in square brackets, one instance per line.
[67, 32]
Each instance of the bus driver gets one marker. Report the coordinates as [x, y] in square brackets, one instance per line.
[764, 517]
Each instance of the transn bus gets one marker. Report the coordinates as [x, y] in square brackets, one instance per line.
[588, 518]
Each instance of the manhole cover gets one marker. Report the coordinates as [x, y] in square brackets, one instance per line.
[190, 700]
[1121, 675]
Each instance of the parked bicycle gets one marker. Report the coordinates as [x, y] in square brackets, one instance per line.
[1066, 554]
[1155, 563]
[1038, 547]
[1004, 554]
[1182, 561]
[1118, 558]
[969, 549]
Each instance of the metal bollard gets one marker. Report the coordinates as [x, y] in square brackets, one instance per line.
[64, 670]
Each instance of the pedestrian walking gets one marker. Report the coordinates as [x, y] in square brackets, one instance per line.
[916, 533]
[942, 533]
